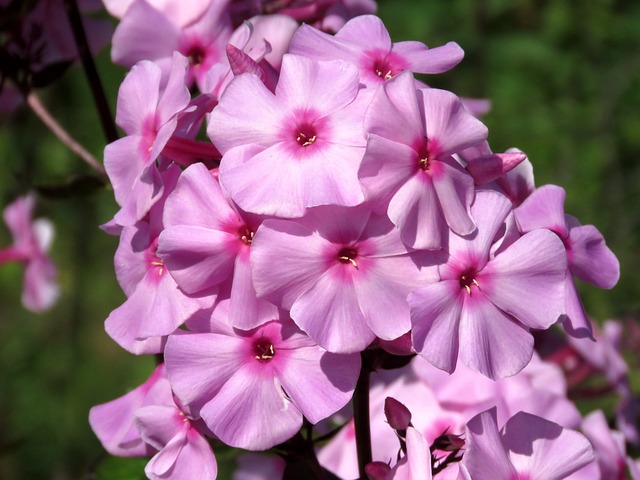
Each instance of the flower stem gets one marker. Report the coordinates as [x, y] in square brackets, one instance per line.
[361, 418]
[43, 114]
[89, 66]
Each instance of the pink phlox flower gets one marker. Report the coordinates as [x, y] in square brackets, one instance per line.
[608, 445]
[539, 389]
[365, 42]
[146, 33]
[588, 256]
[148, 115]
[486, 166]
[343, 272]
[483, 306]
[31, 242]
[148, 421]
[310, 132]
[156, 305]
[528, 447]
[252, 388]
[408, 168]
[207, 244]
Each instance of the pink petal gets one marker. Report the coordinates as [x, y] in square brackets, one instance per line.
[543, 448]
[195, 460]
[162, 464]
[430, 60]
[576, 323]
[527, 279]
[455, 191]
[138, 97]
[490, 341]
[330, 314]
[590, 259]
[130, 260]
[40, 288]
[366, 31]
[485, 458]
[175, 96]
[435, 315]
[319, 383]
[488, 168]
[311, 42]
[544, 208]
[158, 424]
[251, 411]
[286, 259]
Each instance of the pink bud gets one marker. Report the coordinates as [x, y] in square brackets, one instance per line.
[398, 416]
[377, 470]
[490, 167]
[448, 442]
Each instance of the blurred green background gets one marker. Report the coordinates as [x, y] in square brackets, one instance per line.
[564, 81]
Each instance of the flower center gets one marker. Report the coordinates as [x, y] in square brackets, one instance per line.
[467, 280]
[246, 235]
[348, 255]
[196, 55]
[382, 69]
[425, 156]
[306, 135]
[263, 350]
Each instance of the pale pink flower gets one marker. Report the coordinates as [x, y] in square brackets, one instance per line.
[31, 242]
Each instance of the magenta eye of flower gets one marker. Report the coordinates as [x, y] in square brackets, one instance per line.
[348, 255]
[196, 55]
[425, 156]
[467, 280]
[306, 135]
[246, 235]
[263, 350]
[382, 69]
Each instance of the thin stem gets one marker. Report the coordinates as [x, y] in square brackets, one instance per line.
[361, 419]
[89, 66]
[43, 114]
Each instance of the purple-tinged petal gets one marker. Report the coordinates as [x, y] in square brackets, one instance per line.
[130, 260]
[310, 84]
[490, 341]
[414, 210]
[124, 163]
[246, 311]
[251, 411]
[519, 183]
[544, 208]
[337, 224]
[217, 360]
[366, 31]
[40, 289]
[489, 210]
[590, 259]
[576, 323]
[527, 279]
[195, 460]
[144, 32]
[485, 457]
[430, 60]
[319, 383]
[286, 259]
[455, 192]
[247, 113]
[329, 313]
[435, 315]
[158, 424]
[488, 168]
[175, 96]
[543, 449]
[138, 98]
[313, 43]
[386, 165]
[448, 123]
[162, 464]
[397, 100]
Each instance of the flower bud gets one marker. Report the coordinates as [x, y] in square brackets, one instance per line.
[398, 416]
[377, 470]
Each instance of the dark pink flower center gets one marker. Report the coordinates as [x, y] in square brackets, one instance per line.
[196, 55]
[263, 350]
[348, 255]
[246, 235]
[382, 69]
[467, 280]
[428, 151]
[306, 135]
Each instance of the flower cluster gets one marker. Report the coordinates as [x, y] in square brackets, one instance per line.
[337, 206]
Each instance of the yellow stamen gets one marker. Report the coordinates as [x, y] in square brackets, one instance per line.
[350, 260]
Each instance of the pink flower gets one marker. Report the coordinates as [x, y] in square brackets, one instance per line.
[343, 272]
[588, 257]
[485, 302]
[252, 388]
[408, 168]
[146, 421]
[527, 447]
[310, 132]
[365, 42]
[31, 242]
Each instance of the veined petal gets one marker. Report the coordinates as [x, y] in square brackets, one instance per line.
[319, 383]
[576, 323]
[286, 260]
[527, 279]
[430, 60]
[435, 315]
[544, 449]
[251, 411]
[330, 314]
[590, 259]
[366, 31]
[490, 341]
[158, 424]
[138, 97]
[544, 208]
[455, 191]
[313, 43]
[485, 457]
